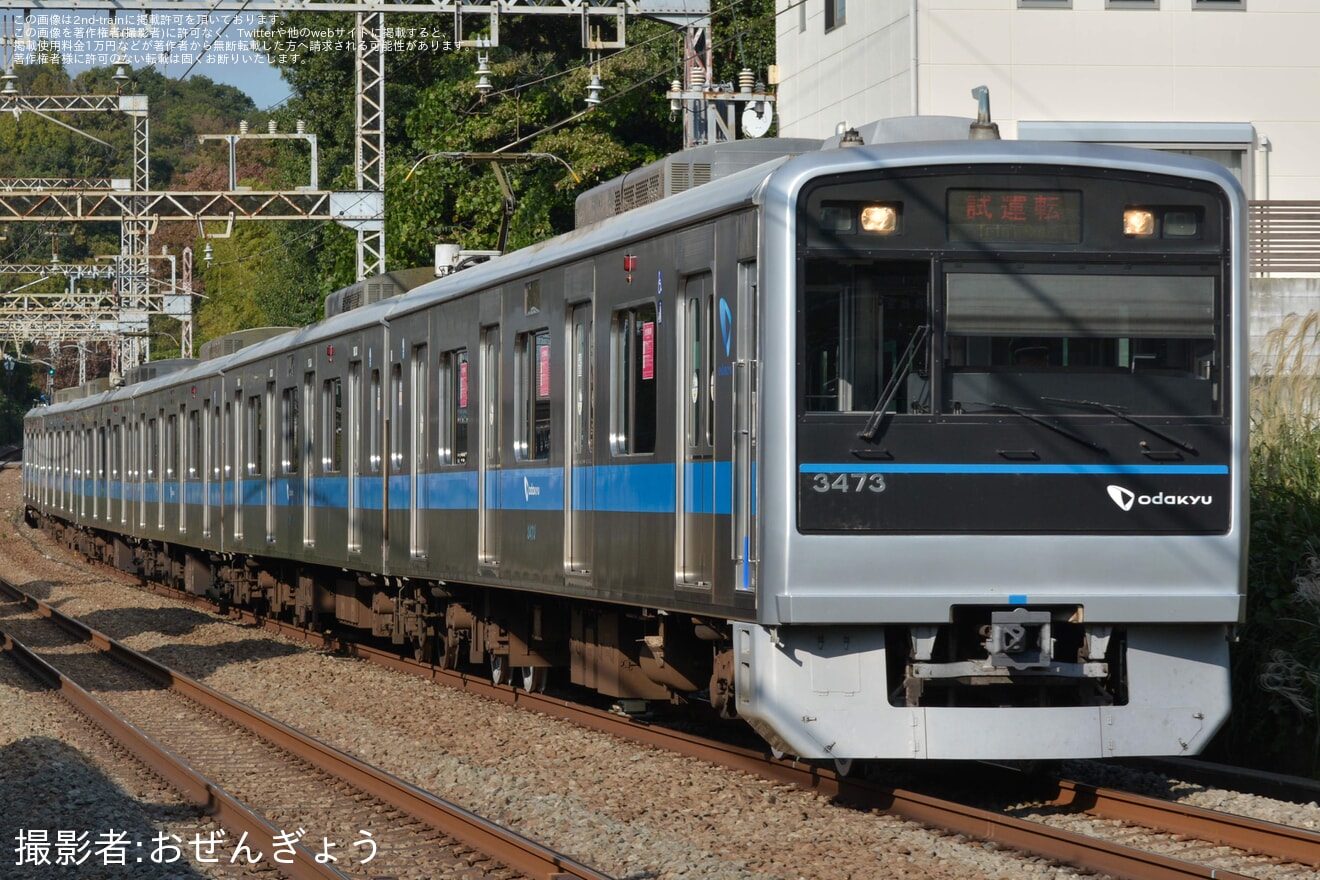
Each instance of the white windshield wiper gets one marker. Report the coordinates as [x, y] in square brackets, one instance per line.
[895, 381]
[1117, 411]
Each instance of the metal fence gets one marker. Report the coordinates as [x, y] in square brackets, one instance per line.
[1283, 238]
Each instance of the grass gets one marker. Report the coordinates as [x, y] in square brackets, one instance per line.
[1276, 664]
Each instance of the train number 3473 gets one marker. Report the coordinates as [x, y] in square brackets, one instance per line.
[848, 483]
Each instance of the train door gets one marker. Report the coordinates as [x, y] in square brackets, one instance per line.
[334, 439]
[695, 473]
[101, 486]
[579, 482]
[288, 460]
[396, 437]
[307, 442]
[83, 447]
[185, 467]
[229, 471]
[194, 469]
[377, 423]
[140, 469]
[746, 378]
[236, 461]
[121, 469]
[210, 464]
[257, 462]
[488, 468]
[420, 372]
[351, 422]
[157, 456]
[267, 465]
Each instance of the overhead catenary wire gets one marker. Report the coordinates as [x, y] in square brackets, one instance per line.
[616, 95]
[396, 172]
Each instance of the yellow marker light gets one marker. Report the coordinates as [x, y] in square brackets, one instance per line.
[880, 219]
[1138, 222]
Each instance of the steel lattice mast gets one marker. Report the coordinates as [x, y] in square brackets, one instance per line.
[139, 208]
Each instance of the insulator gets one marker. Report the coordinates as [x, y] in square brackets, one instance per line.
[483, 76]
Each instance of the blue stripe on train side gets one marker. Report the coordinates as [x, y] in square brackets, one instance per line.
[634, 488]
[1015, 469]
[628, 488]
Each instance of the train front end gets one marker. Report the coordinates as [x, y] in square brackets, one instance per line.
[1001, 479]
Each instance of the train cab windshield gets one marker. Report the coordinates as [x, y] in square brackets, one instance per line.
[1077, 316]
[1140, 341]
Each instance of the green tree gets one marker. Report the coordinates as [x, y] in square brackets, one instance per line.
[539, 77]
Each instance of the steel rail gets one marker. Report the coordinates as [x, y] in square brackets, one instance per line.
[1239, 832]
[1038, 839]
[211, 798]
[1198, 771]
[516, 852]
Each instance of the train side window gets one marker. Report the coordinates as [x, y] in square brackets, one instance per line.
[490, 394]
[418, 402]
[532, 396]
[225, 425]
[375, 415]
[289, 431]
[700, 385]
[256, 441]
[171, 447]
[332, 439]
[153, 450]
[633, 376]
[397, 429]
[584, 403]
[453, 401]
[308, 436]
[192, 449]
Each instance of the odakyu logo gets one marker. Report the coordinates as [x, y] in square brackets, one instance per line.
[726, 325]
[530, 490]
[1126, 499]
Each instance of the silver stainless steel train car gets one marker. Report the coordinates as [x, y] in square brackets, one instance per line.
[907, 450]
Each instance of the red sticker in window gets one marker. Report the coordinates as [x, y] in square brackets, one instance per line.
[543, 373]
[648, 350]
[462, 383]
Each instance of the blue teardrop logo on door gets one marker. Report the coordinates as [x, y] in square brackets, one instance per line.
[726, 325]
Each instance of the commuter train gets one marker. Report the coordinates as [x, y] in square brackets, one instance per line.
[931, 447]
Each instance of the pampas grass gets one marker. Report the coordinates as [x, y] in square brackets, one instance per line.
[1277, 663]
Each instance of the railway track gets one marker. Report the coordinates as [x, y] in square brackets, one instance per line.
[309, 810]
[1086, 828]
[1112, 832]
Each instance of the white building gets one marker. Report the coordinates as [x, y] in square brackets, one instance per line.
[1234, 80]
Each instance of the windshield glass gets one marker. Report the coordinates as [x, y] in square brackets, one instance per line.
[1142, 343]
[860, 316]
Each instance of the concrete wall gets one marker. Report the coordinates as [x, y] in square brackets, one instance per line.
[1086, 60]
[1274, 302]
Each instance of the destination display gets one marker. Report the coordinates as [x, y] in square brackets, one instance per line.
[1015, 216]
